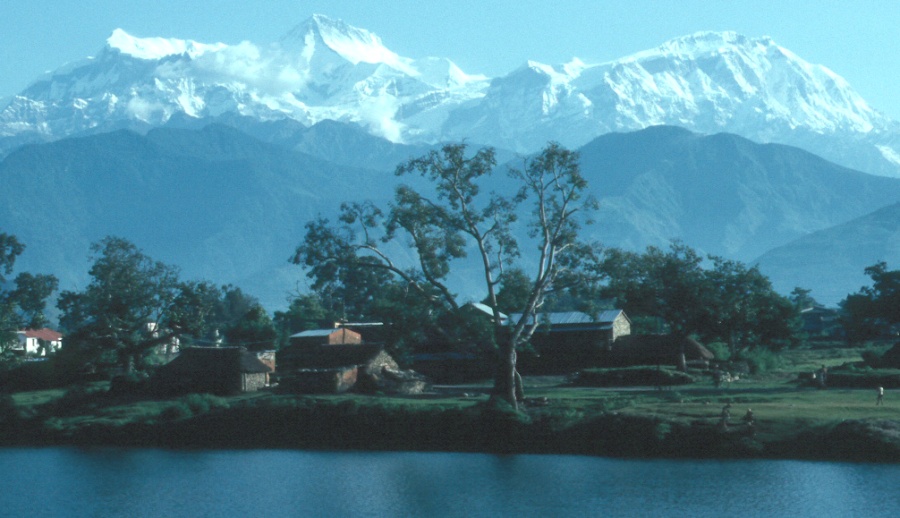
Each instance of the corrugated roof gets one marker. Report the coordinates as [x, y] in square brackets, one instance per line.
[314, 332]
[571, 317]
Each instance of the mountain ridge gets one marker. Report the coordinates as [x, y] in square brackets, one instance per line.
[708, 82]
[230, 208]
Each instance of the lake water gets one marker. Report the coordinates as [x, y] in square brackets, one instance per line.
[62, 482]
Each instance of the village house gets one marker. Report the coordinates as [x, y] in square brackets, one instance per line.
[336, 360]
[37, 342]
[214, 370]
[569, 340]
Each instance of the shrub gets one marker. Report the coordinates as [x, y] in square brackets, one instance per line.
[761, 359]
[178, 410]
[203, 403]
[720, 349]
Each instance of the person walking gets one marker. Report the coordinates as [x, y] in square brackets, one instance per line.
[879, 399]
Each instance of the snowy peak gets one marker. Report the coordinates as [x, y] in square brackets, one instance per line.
[325, 69]
[353, 44]
[703, 44]
[157, 48]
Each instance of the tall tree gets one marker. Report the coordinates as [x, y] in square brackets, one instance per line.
[717, 299]
[22, 306]
[873, 309]
[254, 330]
[131, 305]
[454, 218]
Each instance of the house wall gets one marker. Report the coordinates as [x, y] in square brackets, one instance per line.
[344, 336]
[621, 326]
[31, 346]
[251, 382]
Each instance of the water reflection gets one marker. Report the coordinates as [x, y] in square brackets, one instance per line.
[134, 483]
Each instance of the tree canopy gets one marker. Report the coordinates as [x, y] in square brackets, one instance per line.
[24, 304]
[132, 304]
[873, 309]
[456, 216]
[716, 299]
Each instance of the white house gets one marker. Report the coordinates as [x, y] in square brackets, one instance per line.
[38, 342]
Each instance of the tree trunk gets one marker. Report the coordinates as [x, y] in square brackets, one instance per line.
[508, 383]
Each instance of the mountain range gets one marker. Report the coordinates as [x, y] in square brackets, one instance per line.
[325, 69]
[227, 207]
[212, 157]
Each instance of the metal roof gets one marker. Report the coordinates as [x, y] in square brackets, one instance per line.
[315, 332]
[571, 317]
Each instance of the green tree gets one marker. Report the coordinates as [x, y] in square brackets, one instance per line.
[254, 330]
[456, 217]
[305, 312]
[131, 304]
[22, 306]
[716, 299]
[802, 299]
[873, 309]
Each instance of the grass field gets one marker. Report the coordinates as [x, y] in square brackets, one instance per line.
[781, 405]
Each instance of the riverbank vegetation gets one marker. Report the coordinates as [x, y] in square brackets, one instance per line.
[792, 419]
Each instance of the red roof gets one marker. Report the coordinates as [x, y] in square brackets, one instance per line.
[42, 334]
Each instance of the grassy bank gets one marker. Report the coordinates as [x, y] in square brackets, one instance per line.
[792, 421]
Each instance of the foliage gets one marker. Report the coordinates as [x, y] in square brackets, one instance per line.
[442, 226]
[874, 309]
[720, 350]
[802, 299]
[724, 301]
[131, 305]
[760, 359]
[254, 330]
[21, 307]
[305, 312]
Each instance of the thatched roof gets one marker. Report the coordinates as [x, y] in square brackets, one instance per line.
[656, 349]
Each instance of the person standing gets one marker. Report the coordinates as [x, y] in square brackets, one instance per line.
[879, 399]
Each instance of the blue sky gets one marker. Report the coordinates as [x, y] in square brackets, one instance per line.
[859, 39]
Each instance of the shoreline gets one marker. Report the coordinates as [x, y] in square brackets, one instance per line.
[300, 423]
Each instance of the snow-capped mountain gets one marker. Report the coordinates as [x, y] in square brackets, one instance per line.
[707, 82]
[325, 69]
[322, 69]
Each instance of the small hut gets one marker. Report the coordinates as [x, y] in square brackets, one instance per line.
[339, 368]
[215, 370]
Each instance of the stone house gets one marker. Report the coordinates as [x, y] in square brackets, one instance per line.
[337, 360]
[215, 370]
[571, 340]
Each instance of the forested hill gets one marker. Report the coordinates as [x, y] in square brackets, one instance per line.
[722, 194]
[831, 261]
[227, 207]
[219, 204]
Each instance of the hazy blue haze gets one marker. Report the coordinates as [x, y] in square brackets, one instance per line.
[134, 483]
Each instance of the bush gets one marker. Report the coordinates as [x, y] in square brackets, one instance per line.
[761, 360]
[720, 349]
[203, 403]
